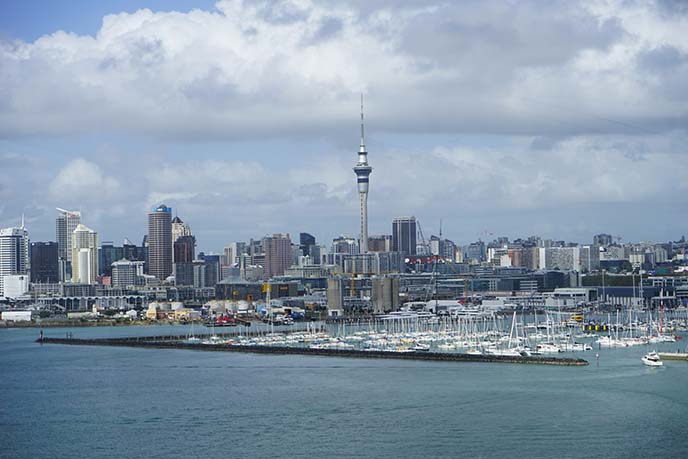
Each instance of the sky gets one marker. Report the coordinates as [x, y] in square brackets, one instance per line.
[561, 119]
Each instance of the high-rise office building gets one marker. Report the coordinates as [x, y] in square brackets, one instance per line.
[179, 229]
[184, 249]
[107, 255]
[344, 244]
[278, 254]
[160, 242]
[184, 254]
[477, 252]
[232, 252]
[559, 258]
[380, 243]
[84, 255]
[212, 269]
[14, 254]
[602, 239]
[362, 171]
[44, 265]
[444, 248]
[133, 252]
[127, 273]
[183, 273]
[404, 235]
[65, 224]
[306, 242]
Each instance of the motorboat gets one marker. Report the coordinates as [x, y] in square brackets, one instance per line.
[651, 359]
[547, 348]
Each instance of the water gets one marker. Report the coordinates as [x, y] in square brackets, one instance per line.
[85, 402]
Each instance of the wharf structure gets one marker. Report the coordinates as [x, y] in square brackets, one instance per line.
[177, 342]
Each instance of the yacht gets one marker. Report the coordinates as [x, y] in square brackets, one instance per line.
[652, 359]
[547, 348]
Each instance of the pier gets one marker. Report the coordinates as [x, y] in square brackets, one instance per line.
[176, 342]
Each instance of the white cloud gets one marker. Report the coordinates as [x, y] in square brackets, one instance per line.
[82, 181]
[587, 100]
[247, 69]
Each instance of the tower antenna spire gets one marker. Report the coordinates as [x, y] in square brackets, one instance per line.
[362, 131]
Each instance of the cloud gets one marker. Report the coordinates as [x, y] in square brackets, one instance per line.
[248, 69]
[82, 181]
[562, 117]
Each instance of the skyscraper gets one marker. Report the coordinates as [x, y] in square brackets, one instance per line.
[44, 266]
[107, 255]
[126, 273]
[278, 257]
[179, 229]
[380, 243]
[65, 224]
[160, 242]
[306, 241]
[184, 253]
[363, 170]
[184, 249]
[14, 254]
[84, 255]
[404, 235]
[233, 251]
[602, 239]
[212, 269]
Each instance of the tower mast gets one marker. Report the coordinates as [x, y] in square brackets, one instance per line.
[362, 171]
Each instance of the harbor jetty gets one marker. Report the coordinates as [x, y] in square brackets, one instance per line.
[177, 342]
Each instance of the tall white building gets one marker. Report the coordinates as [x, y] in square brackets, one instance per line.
[179, 229]
[362, 171]
[589, 258]
[126, 273]
[65, 224]
[232, 252]
[84, 255]
[14, 254]
[561, 258]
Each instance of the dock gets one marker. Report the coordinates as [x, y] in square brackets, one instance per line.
[673, 355]
[177, 342]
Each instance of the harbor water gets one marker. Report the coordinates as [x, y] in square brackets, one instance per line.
[113, 402]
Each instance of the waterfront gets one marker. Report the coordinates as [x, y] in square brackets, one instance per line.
[72, 401]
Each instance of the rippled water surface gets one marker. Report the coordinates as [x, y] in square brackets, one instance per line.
[86, 402]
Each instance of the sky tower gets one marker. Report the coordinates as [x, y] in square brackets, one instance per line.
[363, 171]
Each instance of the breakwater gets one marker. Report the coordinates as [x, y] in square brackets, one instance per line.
[175, 342]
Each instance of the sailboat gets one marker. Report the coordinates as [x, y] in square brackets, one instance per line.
[192, 338]
[661, 337]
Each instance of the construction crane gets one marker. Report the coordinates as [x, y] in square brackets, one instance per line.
[484, 234]
[421, 238]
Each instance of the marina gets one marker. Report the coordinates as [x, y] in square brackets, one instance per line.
[550, 339]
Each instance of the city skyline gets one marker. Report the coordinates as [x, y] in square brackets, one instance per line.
[560, 138]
